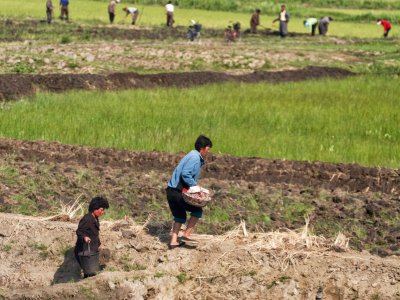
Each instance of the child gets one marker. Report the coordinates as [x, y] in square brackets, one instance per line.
[89, 228]
[386, 27]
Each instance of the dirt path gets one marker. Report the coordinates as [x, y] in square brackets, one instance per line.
[17, 86]
[36, 262]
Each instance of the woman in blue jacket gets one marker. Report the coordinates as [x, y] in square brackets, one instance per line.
[185, 176]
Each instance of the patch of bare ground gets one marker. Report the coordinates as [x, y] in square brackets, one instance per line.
[40, 178]
[37, 263]
[99, 57]
[17, 86]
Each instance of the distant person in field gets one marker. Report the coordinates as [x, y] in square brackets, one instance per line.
[131, 11]
[311, 23]
[169, 9]
[255, 21]
[185, 177]
[89, 228]
[49, 11]
[111, 10]
[324, 24]
[386, 26]
[64, 9]
[283, 19]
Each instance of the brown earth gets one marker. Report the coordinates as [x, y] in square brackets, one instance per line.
[360, 201]
[36, 260]
[15, 30]
[37, 263]
[16, 86]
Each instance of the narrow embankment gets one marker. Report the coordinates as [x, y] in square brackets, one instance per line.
[14, 86]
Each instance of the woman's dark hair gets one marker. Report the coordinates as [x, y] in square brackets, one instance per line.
[202, 142]
[98, 202]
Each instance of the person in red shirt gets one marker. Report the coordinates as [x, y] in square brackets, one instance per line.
[386, 27]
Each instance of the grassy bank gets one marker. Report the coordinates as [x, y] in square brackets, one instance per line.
[352, 120]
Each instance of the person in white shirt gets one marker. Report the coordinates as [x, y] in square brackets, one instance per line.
[131, 10]
[170, 13]
[283, 19]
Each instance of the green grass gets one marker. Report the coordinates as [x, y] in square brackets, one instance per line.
[350, 120]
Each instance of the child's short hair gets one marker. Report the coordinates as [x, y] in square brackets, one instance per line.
[98, 202]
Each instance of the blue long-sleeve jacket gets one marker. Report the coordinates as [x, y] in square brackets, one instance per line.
[188, 171]
[64, 2]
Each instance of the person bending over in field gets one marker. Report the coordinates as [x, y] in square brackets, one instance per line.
[184, 177]
[89, 228]
[323, 25]
[386, 26]
[131, 11]
[311, 23]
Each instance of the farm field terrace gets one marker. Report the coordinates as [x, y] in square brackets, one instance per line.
[348, 23]
[309, 132]
[349, 120]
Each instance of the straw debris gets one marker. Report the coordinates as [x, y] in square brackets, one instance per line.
[285, 246]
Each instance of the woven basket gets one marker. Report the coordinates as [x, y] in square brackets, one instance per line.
[199, 199]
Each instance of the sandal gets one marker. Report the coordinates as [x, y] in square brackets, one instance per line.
[181, 244]
[189, 240]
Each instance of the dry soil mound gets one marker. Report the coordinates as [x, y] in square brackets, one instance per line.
[36, 262]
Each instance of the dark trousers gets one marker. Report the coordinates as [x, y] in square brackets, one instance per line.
[323, 28]
[134, 17]
[178, 206]
[313, 28]
[170, 19]
[49, 16]
[64, 12]
[385, 34]
[111, 16]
